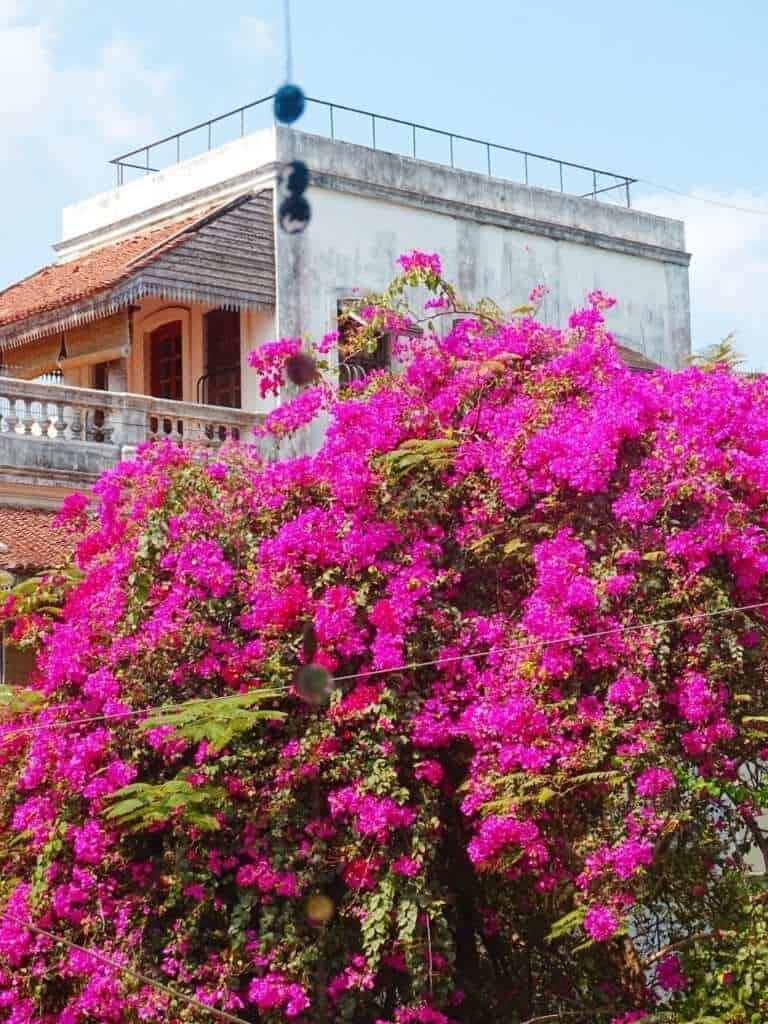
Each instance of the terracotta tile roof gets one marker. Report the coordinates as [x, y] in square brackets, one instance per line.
[33, 542]
[59, 284]
[636, 360]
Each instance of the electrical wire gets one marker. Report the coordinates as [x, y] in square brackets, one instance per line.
[703, 199]
[145, 979]
[288, 40]
[571, 638]
[130, 713]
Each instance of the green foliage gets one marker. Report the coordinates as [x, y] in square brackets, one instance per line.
[18, 700]
[217, 720]
[420, 453]
[721, 354]
[139, 805]
[729, 969]
[377, 923]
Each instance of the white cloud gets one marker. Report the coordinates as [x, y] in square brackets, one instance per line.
[75, 114]
[729, 265]
[256, 37]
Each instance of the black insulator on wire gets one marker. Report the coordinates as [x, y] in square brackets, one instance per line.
[301, 370]
[314, 684]
[294, 214]
[295, 178]
[289, 103]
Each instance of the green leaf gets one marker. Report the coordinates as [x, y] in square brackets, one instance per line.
[140, 804]
[18, 700]
[568, 923]
[217, 720]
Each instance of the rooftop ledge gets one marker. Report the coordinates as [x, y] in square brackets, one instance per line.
[351, 149]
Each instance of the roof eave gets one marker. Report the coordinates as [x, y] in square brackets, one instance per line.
[121, 297]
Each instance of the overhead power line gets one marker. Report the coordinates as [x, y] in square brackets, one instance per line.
[571, 638]
[704, 199]
[137, 975]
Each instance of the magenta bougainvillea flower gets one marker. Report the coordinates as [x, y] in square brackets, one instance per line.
[512, 796]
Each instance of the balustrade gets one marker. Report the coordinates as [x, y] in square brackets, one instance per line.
[111, 423]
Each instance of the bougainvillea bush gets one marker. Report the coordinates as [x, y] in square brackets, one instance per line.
[489, 674]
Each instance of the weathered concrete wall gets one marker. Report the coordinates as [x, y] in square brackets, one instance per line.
[496, 238]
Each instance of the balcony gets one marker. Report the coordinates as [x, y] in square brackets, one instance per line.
[60, 438]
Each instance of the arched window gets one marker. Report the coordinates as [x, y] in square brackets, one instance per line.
[165, 361]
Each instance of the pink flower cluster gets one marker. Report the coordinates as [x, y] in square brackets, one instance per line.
[274, 992]
[418, 260]
[269, 361]
[372, 816]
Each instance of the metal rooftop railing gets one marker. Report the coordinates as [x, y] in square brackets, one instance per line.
[389, 134]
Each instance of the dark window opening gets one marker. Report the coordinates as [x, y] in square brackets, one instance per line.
[356, 362]
[16, 664]
[165, 373]
[220, 384]
[100, 377]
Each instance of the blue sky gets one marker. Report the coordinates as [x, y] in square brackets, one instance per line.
[672, 93]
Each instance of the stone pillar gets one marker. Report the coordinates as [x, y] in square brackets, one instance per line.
[117, 375]
[129, 426]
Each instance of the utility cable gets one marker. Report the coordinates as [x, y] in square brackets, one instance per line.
[571, 638]
[145, 979]
[703, 199]
[288, 41]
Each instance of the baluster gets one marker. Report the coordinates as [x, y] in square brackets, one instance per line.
[46, 422]
[94, 425]
[195, 431]
[29, 420]
[12, 419]
[107, 426]
[59, 424]
[76, 423]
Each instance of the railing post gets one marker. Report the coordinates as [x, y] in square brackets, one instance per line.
[11, 419]
[146, 157]
[59, 424]
[562, 187]
[594, 184]
[525, 163]
[450, 139]
[129, 425]
[242, 122]
[373, 129]
[76, 423]
[488, 155]
[29, 419]
[413, 126]
[629, 200]
[330, 112]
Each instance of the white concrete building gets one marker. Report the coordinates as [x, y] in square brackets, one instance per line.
[164, 283]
